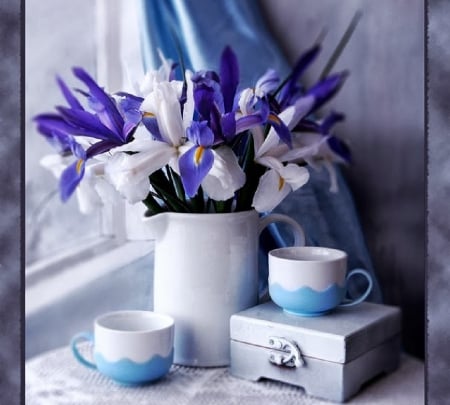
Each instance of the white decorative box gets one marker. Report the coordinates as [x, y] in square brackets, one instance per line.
[330, 356]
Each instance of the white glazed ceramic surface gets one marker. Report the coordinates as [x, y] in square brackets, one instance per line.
[307, 266]
[133, 335]
[206, 270]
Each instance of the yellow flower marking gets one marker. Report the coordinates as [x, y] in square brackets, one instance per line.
[275, 119]
[280, 183]
[79, 165]
[148, 115]
[198, 154]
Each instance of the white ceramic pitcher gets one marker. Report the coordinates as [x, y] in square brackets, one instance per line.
[206, 269]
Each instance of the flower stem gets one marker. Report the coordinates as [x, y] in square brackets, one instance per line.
[223, 206]
[166, 190]
[178, 185]
[198, 201]
[341, 45]
[253, 171]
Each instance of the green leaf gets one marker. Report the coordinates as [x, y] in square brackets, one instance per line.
[253, 172]
[198, 201]
[152, 205]
[341, 45]
[175, 179]
[172, 202]
[222, 207]
[166, 191]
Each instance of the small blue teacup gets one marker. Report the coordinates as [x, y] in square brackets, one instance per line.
[130, 347]
[311, 281]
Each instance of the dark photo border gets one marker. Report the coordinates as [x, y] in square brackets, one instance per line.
[11, 181]
[438, 192]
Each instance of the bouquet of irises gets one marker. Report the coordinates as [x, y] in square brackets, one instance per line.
[200, 144]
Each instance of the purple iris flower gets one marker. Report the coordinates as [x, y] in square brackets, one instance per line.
[60, 141]
[73, 174]
[291, 91]
[324, 128]
[267, 107]
[336, 145]
[197, 161]
[129, 106]
[268, 82]
[209, 103]
[107, 124]
[322, 91]
[326, 89]
[214, 98]
[229, 78]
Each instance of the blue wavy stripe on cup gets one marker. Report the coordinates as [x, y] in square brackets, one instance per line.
[306, 301]
[126, 371]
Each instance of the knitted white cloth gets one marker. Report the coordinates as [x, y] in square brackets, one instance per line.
[56, 378]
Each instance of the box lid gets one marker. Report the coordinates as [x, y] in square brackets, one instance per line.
[339, 337]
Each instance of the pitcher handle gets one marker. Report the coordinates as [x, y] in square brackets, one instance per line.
[297, 230]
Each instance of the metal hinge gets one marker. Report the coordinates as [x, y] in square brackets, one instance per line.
[288, 353]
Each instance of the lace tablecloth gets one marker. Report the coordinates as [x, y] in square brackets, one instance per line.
[55, 378]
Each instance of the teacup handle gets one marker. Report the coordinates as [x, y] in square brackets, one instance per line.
[366, 293]
[299, 233]
[73, 344]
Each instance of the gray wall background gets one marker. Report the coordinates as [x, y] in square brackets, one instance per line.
[383, 100]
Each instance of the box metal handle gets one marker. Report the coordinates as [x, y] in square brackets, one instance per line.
[288, 354]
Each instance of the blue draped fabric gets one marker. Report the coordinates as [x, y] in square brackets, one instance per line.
[203, 29]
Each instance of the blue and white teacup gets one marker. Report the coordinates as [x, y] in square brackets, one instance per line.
[131, 347]
[311, 281]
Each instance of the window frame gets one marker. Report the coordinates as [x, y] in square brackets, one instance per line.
[121, 239]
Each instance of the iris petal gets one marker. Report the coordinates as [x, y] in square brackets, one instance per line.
[59, 140]
[70, 178]
[269, 193]
[326, 89]
[228, 124]
[291, 90]
[129, 173]
[194, 166]
[88, 121]
[99, 147]
[130, 106]
[71, 99]
[204, 99]
[330, 120]
[248, 121]
[281, 129]
[151, 124]
[200, 134]
[225, 176]
[340, 148]
[96, 92]
[268, 81]
[229, 77]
